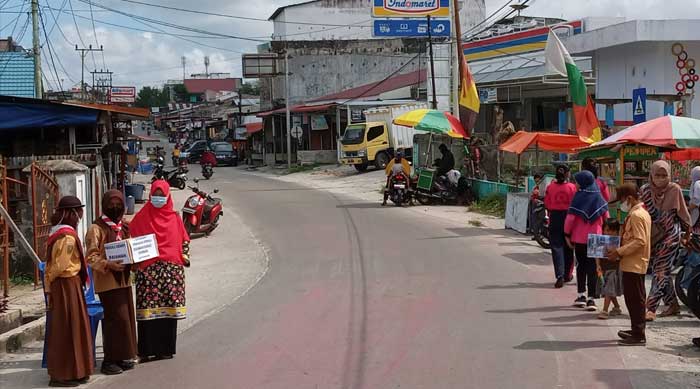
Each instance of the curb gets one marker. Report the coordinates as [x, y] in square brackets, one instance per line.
[15, 339]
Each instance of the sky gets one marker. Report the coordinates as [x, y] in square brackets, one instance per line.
[150, 58]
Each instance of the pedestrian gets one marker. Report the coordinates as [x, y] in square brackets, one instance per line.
[612, 276]
[591, 165]
[557, 199]
[665, 203]
[694, 203]
[69, 348]
[535, 198]
[585, 216]
[113, 284]
[633, 254]
[160, 282]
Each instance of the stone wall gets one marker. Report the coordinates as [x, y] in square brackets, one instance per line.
[317, 157]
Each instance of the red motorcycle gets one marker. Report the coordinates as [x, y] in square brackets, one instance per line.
[202, 212]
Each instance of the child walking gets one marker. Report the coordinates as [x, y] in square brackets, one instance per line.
[612, 276]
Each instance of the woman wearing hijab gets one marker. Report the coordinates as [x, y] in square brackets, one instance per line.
[591, 165]
[113, 284]
[69, 355]
[669, 215]
[586, 215]
[557, 200]
[160, 282]
[694, 204]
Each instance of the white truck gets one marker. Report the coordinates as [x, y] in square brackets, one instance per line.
[376, 140]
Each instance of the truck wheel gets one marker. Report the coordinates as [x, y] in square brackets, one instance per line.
[381, 160]
[361, 167]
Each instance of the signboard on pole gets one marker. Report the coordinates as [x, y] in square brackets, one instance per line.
[411, 8]
[122, 94]
[411, 28]
[639, 105]
[259, 65]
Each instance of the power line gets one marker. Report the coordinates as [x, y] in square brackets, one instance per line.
[58, 25]
[94, 31]
[75, 22]
[472, 28]
[53, 64]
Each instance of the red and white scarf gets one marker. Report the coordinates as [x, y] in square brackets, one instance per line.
[116, 227]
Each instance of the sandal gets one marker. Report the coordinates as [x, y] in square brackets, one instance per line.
[615, 312]
[603, 315]
[650, 316]
[672, 310]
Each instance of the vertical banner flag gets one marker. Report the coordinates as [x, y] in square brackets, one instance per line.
[560, 62]
[469, 102]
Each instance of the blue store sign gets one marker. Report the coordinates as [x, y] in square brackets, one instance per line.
[411, 28]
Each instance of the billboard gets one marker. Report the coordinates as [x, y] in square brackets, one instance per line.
[411, 28]
[411, 8]
[122, 94]
[259, 65]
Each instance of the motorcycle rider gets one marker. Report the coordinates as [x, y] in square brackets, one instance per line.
[397, 165]
[447, 162]
[176, 155]
[208, 158]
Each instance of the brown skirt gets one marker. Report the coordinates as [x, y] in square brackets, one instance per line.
[118, 325]
[69, 340]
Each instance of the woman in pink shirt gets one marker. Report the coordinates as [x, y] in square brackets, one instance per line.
[586, 215]
[557, 200]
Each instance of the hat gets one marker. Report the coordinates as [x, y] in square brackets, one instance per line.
[69, 202]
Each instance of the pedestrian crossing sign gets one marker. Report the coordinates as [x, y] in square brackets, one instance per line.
[639, 105]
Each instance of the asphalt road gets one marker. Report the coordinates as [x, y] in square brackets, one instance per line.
[359, 296]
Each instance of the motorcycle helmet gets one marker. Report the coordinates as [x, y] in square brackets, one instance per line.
[160, 159]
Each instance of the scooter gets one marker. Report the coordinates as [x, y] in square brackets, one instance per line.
[687, 282]
[201, 212]
[207, 171]
[176, 178]
[540, 225]
[400, 190]
[445, 191]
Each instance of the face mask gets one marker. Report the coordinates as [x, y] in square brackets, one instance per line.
[159, 201]
[114, 213]
[625, 207]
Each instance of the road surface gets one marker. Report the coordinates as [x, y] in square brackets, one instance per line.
[359, 296]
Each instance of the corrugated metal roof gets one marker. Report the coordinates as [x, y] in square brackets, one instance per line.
[16, 74]
[512, 69]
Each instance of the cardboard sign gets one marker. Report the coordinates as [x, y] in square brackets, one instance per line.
[132, 250]
[598, 245]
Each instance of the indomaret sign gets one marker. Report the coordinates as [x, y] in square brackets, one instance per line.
[411, 8]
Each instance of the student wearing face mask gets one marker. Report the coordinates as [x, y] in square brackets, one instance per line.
[664, 201]
[160, 282]
[69, 354]
[113, 284]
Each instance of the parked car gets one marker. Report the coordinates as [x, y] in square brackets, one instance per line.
[194, 152]
[225, 154]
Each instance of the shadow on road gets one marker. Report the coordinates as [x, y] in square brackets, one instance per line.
[519, 285]
[586, 316]
[538, 259]
[374, 205]
[533, 310]
[565, 345]
[646, 378]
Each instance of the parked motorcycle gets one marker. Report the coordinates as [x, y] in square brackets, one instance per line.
[207, 171]
[399, 191]
[201, 212]
[176, 178]
[446, 191]
[540, 224]
[688, 276]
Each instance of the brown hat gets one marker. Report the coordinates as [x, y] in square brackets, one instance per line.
[69, 202]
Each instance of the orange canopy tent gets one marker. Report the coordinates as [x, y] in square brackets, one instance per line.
[546, 141]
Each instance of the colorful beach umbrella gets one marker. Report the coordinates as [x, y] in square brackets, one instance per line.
[433, 121]
[666, 131]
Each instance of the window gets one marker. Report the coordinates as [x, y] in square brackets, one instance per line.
[223, 147]
[374, 133]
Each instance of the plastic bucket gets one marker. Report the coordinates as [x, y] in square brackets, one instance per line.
[135, 191]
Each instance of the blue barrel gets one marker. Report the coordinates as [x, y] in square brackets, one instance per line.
[130, 205]
[135, 191]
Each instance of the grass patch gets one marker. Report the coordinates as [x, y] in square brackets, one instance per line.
[22, 279]
[476, 223]
[492, 205]
[302, 168]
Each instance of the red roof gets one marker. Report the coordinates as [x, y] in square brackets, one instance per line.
[297, 109]
[196, 85]
[252, 128]
[379, 87]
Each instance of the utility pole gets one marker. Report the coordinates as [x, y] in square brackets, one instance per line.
[184, 62]
[102, 84]
[206, 66]
[286, 101]
[38, 87]
[432, 62]
[83, 53]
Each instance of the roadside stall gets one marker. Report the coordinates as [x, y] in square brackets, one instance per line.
[517, 204]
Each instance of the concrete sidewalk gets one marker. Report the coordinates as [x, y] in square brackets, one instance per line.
[224, 267]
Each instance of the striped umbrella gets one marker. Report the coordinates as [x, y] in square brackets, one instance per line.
[666, 131]
[433, 121]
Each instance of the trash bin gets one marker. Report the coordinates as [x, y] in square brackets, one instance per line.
[135, 190]
[130, 205]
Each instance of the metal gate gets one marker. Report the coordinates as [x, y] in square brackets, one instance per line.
[4, 232]
[44, 201]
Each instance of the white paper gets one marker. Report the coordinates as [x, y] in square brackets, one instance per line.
[143, 248]
[118, 252]
[598, 245]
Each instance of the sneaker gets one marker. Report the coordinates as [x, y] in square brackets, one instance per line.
[126, 365]
[615, 312]
[109, 368]
[696, 342]
[632, 342]
[580, 302]
[590, 306]
[603, 315]
[560, 283]
[624, 334]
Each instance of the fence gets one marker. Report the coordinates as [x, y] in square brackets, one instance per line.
[483, 189]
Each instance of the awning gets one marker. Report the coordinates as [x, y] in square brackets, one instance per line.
[546, 141]
[683, 155]
[252, 128]
[297, 109]
[124, 112]
[143, 138]
[19, 115]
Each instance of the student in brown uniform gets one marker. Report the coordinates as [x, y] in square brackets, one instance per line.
[113, 284]
[69, 353]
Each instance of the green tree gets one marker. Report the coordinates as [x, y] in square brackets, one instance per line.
[152, 97]
[251, 88]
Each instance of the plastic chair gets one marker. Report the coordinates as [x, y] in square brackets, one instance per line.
[94, 308]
